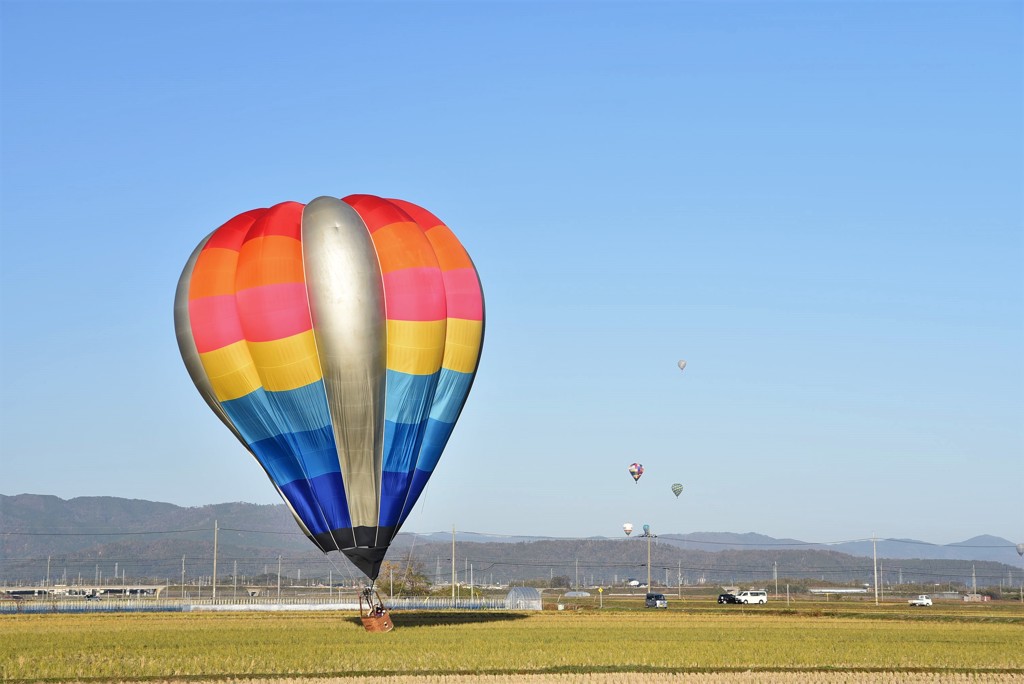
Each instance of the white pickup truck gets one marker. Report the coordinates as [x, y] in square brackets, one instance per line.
[921, 600]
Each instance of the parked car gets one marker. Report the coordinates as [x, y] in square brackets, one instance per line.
[727, 598]
[921, 600]
[759, 597]
[656, 601]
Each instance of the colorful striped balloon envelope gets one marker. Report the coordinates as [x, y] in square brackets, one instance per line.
[338, 341]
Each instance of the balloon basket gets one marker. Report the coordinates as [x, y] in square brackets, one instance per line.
[374, 616]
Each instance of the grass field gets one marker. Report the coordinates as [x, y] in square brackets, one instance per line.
[711, 643]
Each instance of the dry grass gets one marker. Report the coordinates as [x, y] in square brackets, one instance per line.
[748, 677]
[591, 647]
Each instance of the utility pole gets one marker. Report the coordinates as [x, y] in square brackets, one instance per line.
[182, 577]
[647, 533]
[776, 573]
[453, 565]
[234, 580]
[215, 529]
[874, 555]
[278, 579]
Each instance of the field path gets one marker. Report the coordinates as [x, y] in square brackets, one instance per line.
[747, 677]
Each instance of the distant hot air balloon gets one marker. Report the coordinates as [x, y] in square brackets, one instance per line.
[647, 530]
[338, 341]
[677, 489]
[1020, 549]
[636, 470]
[628, 529]
[682, 364]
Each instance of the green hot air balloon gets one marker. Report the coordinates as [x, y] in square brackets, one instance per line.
[677, 489]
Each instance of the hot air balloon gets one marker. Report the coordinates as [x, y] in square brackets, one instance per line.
[1020, 549]
[628, 529]
[677, 489]
[338, 341]
[647, 530]
[682, 364]
[636, 470]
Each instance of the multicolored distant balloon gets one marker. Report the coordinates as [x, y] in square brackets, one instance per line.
[628, 529]
[338, 341]
[636, 470]
[677, 489]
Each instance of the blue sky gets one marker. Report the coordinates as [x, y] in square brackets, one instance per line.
[819, 205]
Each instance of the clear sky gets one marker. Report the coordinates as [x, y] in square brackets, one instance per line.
[820, 205]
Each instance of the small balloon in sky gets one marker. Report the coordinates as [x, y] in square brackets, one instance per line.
[677, 489]
[628, 529]
[1020, 549]
[682, 364]
[636, 470]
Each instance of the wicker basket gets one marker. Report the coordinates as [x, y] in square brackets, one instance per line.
[374, 616]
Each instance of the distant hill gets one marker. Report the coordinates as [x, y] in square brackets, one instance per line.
[980, 548]
[93, 537]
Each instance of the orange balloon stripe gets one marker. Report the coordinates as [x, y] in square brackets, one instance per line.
[214, 273]
[402, 245]
[269, 260]
[450, 253]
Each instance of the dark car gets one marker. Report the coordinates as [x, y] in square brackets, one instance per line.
[728, 598]
[656, 601]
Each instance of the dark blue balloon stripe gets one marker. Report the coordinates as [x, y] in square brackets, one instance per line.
[394, 488]
[435, 438]
[416, 487]
[319, 502]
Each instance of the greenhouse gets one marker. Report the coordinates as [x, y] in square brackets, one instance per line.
[523, 598]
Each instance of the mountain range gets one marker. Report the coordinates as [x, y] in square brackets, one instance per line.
[154, 538]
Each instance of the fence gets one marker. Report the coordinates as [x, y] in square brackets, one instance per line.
[152, 605]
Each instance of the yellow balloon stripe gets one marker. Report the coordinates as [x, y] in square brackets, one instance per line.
[288, 363]
[416, 347]
[462, 346]
[231, 371]
[243, 367]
